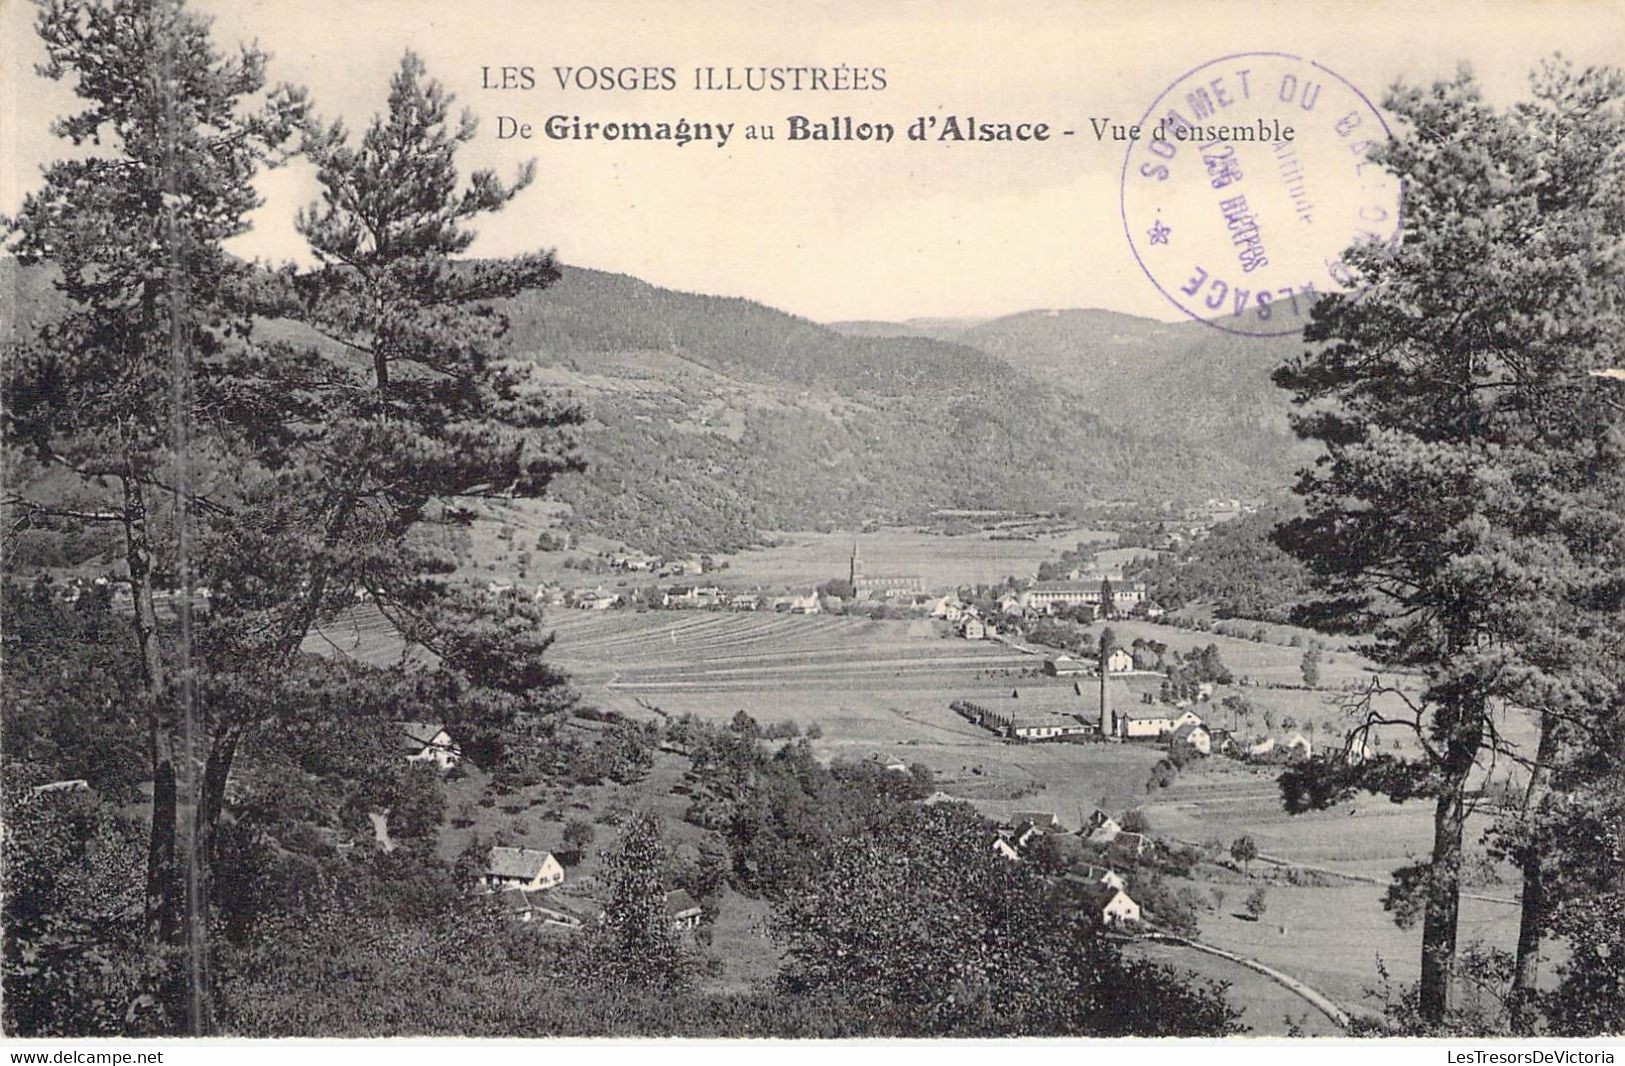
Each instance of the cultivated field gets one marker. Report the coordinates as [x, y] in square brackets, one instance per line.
[883, 688]
[940, 561]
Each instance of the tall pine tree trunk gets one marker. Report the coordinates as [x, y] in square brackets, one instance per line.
[163, 902]
[212, 804]
[1462, 727]
[1532, 904]
[1439, 923]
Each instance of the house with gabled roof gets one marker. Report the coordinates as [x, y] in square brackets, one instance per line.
[1110, 906]
[1048, 821]
[1142, 721]
[1101, 828]
[428, 742]
[683, 910]
[1193, 736]
[1132, 845]
[525, 868]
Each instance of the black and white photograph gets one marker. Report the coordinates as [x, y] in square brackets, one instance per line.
[538, 520]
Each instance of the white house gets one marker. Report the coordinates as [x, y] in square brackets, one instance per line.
[1298, 747]
[1193, 735]
[1002, 848]
[522, 868]
[682, 910]
[1048, 821]
[1119, 661]
[807, 604]
[1045, 727]
[1185, 718]
[1111, 906]
[1142, 723]
[972, 629]
[428, 742]
[1101, 828]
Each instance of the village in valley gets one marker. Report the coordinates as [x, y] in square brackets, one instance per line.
[1124, 751]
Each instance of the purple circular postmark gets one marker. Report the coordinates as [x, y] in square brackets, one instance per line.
[1248, 179]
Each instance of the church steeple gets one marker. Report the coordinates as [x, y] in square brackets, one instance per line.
[856, 567]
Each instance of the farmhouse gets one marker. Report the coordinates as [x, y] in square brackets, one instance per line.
[1194, 736]
[682, 909]
[972, 629]
[428, 742]
[1141, 722]
[1185, 718]
[1223, 741]
[1133, 845]
[1121, 660]
[1101, 828]
[1048, 821]
[522, 868]
[1111, 906]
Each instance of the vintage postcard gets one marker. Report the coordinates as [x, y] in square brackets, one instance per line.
[558, 519]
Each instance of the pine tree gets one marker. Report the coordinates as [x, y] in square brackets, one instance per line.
[414, 410]
[121, 390]
[1466, 513]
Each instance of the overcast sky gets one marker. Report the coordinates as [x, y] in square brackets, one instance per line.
[827, 231]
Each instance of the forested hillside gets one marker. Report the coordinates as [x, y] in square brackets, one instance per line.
[712, 420]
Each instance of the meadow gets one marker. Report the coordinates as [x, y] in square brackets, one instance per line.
[939, 560]
[882, 689]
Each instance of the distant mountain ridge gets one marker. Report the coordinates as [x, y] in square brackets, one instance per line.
[1204, 384]
[713, 419]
